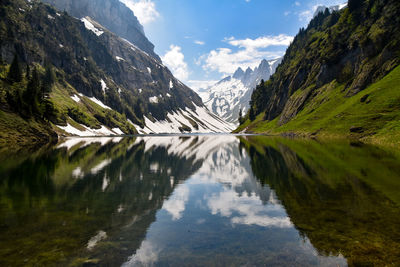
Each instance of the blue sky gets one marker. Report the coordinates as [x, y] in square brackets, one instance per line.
[202, 41]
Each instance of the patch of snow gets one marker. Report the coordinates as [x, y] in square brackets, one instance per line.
[58, 14]
[50, 16]
[91, 27]
[61, 46]
[140, 90]
[98, 102]
[84, 58]
[76, 98]
[205, 120]
[153, 99]
[117, 131]
[171, 85]
[103, 86]
[149, 70]
[21, 9]
[87, 132]
[168, 95]
[119, 58]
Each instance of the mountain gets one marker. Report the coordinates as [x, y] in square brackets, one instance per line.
[330, 8]
[113, 15]
[102, 83]
[339, 77]
[232, 94]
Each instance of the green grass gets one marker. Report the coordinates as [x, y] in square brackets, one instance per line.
[332, 113]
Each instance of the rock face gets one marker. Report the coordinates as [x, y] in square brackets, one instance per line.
[352, 47]
[232, 94]
[95, 64]
[113, 15]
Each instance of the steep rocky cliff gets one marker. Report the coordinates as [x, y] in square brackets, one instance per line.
[113, 15]
[104, 83]
[321, 83]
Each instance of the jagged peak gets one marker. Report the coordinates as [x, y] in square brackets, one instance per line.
[238, 73]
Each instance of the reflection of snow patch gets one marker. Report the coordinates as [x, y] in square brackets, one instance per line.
[77, 173]
[100, 166]
[106, 182]
[95, 239]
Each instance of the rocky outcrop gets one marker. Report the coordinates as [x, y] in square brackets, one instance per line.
[95, 64]
[113, 15]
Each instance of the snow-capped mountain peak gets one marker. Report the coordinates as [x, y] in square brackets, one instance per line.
[233, 93]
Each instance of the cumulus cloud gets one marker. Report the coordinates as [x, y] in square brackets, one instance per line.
[144, 10]
[248, 53]
[175, 61]
[175, 205]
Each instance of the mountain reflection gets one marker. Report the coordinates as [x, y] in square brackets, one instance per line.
[199, 199]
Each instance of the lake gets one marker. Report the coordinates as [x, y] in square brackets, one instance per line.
[200, 200]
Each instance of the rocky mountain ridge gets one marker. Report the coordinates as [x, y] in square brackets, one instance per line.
[104, 84]
[232, 94]
[338, 77]
[113, 15]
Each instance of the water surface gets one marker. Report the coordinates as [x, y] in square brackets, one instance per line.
[200, 201]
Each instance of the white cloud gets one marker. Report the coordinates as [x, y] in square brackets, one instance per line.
[199, 42]
[248, 210]
[297, 3]
[306, 15]
[200, 84]
[175, 60]
[144, 10]
[175, 205]
[261, 42]
[286, 13]
[249, 53]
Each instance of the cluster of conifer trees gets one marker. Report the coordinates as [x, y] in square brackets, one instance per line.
[31, 99]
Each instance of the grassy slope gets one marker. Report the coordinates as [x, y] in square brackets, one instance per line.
[331, 113]
[16, 131]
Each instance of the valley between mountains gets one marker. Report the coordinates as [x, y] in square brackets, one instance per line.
[86, 68]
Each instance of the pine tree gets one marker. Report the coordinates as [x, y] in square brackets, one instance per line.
[15, 73]
[30, 96]
[240, 116]
[354, 4]
[251, 114]
[28, 71]
[48, 80]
